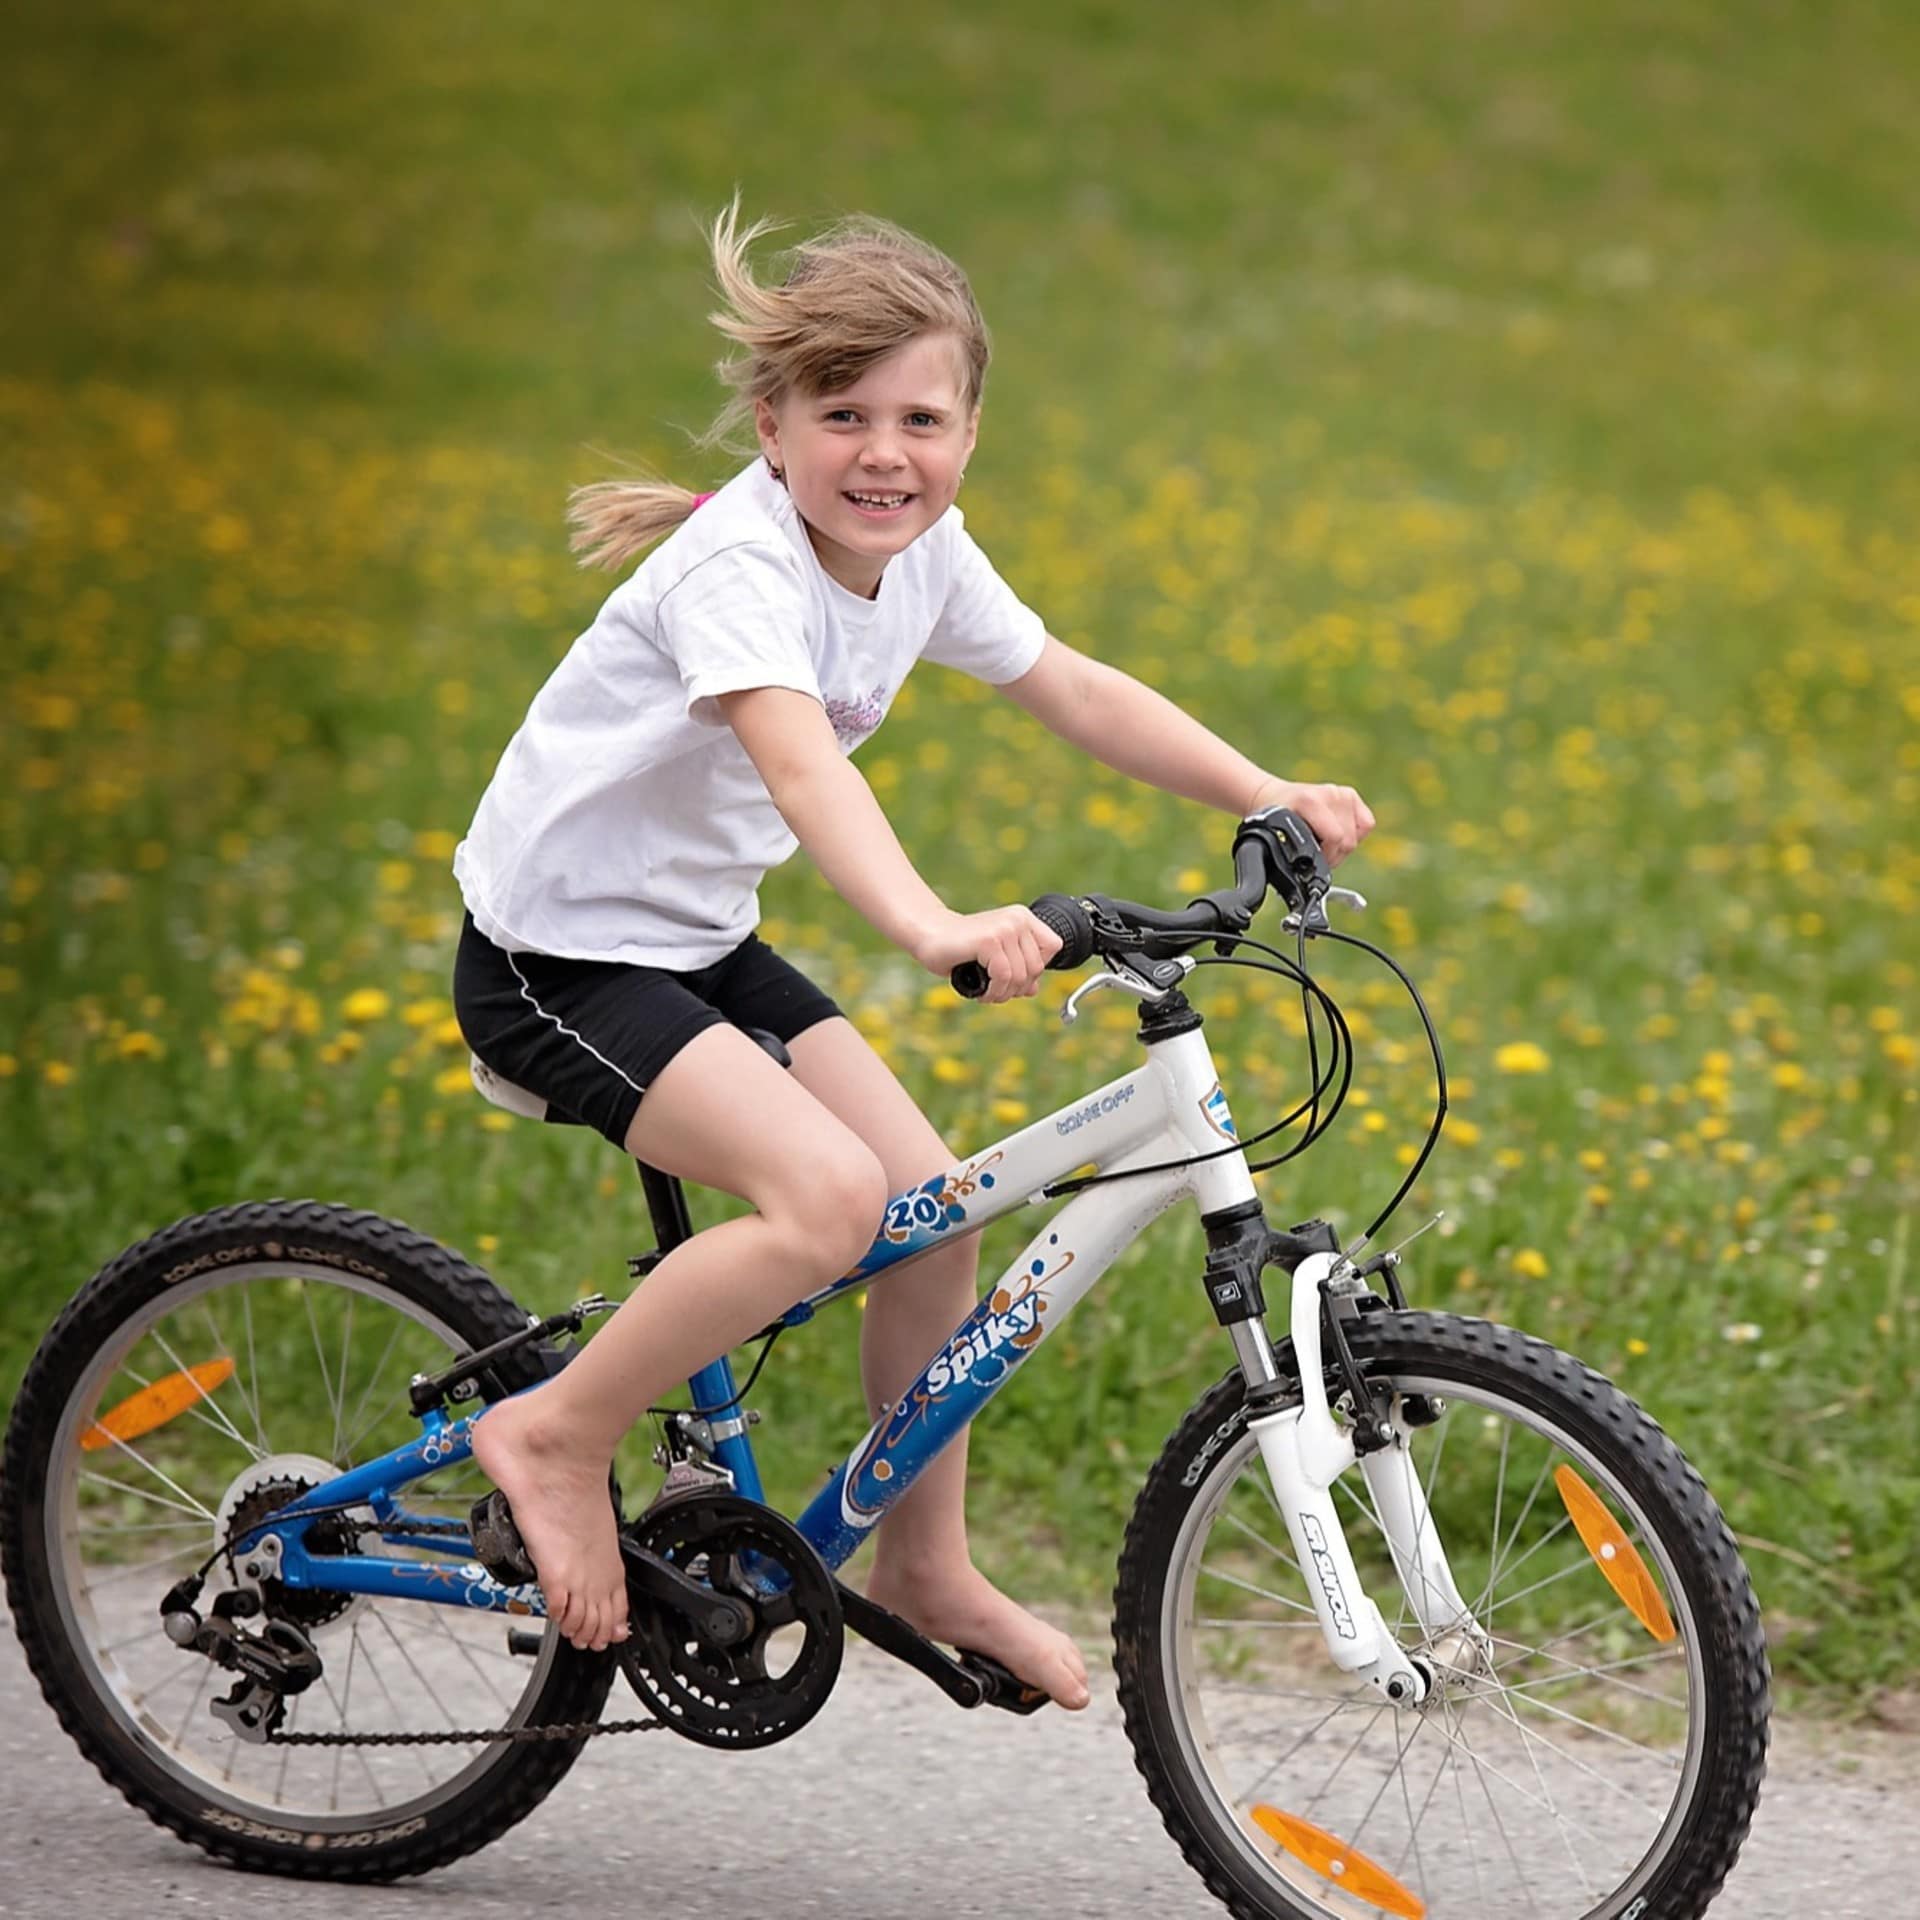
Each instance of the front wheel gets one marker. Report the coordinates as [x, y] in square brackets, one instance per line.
[1596, 1751]
[204, 1378]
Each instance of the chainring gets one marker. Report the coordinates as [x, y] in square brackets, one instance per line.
[730, 1696]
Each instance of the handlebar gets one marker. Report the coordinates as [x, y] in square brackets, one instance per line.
[1272, 851]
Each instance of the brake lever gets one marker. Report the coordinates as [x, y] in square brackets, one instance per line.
[1317, 921]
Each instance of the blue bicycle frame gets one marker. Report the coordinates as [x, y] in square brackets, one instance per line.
[1170, 1109]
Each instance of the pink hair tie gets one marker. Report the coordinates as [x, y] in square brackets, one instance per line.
[699, 500]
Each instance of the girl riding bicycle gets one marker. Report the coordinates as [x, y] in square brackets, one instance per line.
[689, 739]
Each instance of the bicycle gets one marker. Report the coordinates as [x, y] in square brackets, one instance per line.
[1566, 1712]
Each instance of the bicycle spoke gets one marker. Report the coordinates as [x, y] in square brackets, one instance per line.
[359, 1428]
[185, 1504]
[346, 1358]
[186, 1551]
[253, 1362]
[1247, 1586]
[1279, 1553]
[141, 1526]
[320, 1355]
[207, 1410]
[1259, 1626]
[225, 1351]
[1500, 1826]
[1520, 1520]
[1568, 1572]
[1275, 1765]
[1501, 1707]
[1664, 1656]
[1593, 1726]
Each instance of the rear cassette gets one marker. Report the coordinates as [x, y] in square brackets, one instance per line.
[773, 1680]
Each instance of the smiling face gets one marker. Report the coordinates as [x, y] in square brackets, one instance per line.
[874, 465]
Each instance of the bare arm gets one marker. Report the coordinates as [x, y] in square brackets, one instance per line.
[823, 797]
[1138, 732]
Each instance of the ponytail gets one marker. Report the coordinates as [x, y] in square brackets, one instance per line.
[615, 521]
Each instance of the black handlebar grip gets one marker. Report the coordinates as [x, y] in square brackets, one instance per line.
[1059, 913]
[970, 980]
[1062, 914]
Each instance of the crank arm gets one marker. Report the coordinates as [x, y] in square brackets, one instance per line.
[966, 1687]
[717, 1617]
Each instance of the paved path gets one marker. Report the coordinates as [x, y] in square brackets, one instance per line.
[891, 1804]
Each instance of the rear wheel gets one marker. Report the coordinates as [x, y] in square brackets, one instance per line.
[203, 1378]
[1598, 1754]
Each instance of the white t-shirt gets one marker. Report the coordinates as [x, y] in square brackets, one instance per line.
[625, 820]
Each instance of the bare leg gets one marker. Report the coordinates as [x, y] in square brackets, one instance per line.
[820, 1195]
[922, 1569]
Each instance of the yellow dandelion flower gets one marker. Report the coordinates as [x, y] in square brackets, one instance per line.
[365, 1004]
[1373, 1123]
[9, 1066]
[494, 1121]
[1636, 1346]
[1599, 1196]
[435, 843]
[394, 876]
[1463, 1132]
[1901, 1049]
[1530, 1263]
[424, 1013]
[139, 1045]
[453, 1080]
[951, 1072]
[56, 1073]
[1521, 1056]
[1009, 1113]
[1510, 1159]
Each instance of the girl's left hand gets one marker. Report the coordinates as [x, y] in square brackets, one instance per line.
[1338, 816]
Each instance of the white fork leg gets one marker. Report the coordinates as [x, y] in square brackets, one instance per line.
[1419, 1556]
[1304, 1451]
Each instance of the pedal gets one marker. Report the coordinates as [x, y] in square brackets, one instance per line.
[496, 1541]
[1000, 1688]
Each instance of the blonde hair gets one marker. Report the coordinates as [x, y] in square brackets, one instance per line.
[854, 294]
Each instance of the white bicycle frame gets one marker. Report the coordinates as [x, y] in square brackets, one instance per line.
[1171, 1108]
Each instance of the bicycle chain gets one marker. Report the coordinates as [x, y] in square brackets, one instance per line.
[484, 1736]
[488, 1736]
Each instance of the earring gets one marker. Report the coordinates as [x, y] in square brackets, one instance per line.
[962, 481]
[777, 472]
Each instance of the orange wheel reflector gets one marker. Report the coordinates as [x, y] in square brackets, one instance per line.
[1351, 1871]
[154, 1406]
[1614, 1554]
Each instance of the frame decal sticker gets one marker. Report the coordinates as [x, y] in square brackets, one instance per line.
[916, 1219]
[1213, 1109]
[975, 1362]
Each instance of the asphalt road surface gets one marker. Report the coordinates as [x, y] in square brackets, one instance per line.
[891, 1804]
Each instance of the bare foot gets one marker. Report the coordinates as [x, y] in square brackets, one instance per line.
[562, 1508]
[967, 1610]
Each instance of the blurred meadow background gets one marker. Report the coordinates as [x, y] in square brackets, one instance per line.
[1510, 411]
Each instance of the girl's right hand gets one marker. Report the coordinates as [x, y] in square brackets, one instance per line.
[1008, 941]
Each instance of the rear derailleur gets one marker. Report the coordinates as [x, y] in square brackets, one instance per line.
[273, 1665]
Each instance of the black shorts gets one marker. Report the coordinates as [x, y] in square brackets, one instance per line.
[590, 1036]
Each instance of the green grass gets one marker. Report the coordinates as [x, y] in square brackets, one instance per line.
[1514, 419]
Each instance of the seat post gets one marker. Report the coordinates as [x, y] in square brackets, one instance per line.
[667, 1202]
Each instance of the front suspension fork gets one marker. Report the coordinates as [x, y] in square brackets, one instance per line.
[1305, 1450]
